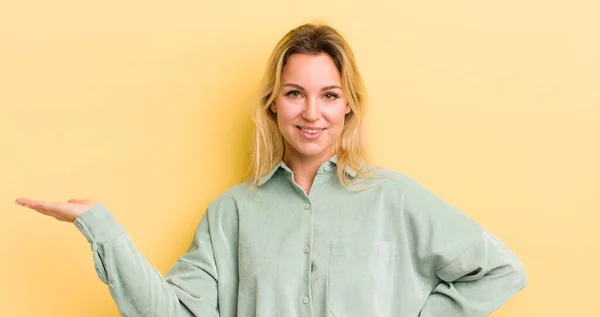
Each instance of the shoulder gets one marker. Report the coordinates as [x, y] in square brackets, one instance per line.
[425, 208]
[231, 197]
[389, 179]
[412, 195]
[223, 211]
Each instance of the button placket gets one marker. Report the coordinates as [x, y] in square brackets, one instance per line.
[307, 250]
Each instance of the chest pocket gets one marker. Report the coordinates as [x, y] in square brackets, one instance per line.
[360, 278]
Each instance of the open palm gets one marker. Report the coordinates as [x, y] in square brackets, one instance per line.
[67, 212]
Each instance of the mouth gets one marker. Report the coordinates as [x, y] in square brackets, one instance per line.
[310, 132]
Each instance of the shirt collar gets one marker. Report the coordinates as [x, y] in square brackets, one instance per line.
[332, 161]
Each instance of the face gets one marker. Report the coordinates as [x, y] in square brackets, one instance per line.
[310, 106]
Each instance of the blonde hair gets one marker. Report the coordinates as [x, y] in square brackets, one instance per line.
[268, 144]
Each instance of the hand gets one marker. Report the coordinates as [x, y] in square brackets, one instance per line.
[67, 212]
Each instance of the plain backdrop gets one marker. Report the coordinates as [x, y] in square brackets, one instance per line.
[144, 105]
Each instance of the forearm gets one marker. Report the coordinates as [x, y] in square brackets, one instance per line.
[137, 288]
[477, 283]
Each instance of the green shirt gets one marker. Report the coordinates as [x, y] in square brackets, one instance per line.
[394, 249]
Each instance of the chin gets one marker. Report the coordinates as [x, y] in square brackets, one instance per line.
[311, 150]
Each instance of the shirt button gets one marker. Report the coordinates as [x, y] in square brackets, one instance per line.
[306, 249]
[78, 225]
[307, 207]
[326, 169]
[305, 300]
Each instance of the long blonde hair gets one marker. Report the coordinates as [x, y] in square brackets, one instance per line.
[268, 144]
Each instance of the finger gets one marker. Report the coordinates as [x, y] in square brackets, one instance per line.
[55, 209]
[23, 201]
[43, 207]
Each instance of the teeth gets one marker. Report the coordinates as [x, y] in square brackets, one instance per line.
[310, 131]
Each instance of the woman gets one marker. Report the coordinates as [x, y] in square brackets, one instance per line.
[315, 231]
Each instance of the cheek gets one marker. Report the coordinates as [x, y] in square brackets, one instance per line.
[336, 115]
[287, 111]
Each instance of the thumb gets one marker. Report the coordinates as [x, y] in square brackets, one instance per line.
[87, 202]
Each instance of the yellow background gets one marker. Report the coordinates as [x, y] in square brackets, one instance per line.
[143, 105]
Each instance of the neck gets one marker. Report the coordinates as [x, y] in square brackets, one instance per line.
[305, 168]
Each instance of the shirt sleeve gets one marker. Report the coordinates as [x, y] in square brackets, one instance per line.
[472, 273]
[138, 289]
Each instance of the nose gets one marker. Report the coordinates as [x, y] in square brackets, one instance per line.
[311, 112]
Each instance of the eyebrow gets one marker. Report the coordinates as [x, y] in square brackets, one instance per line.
[322, 89]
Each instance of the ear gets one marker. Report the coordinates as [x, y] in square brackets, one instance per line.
[273, 107]
[348, 109]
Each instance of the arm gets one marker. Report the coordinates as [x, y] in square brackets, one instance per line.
[477, 282]
[471, 272]
[139, 290]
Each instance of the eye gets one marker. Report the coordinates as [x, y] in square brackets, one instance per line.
[293, 93]
[331, 96]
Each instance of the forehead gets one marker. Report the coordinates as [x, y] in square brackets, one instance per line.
[310, 71]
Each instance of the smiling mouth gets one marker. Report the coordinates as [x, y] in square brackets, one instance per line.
[310, 131]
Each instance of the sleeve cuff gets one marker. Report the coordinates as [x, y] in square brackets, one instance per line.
[97, 225]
